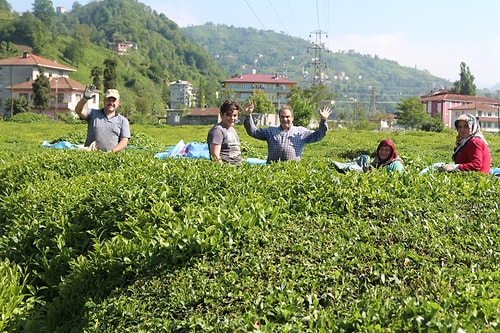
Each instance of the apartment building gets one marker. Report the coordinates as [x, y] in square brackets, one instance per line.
[273, 86]
[448, 106]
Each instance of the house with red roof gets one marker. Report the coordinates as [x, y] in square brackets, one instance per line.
[17, 74]
[448, 106]
[276, 88]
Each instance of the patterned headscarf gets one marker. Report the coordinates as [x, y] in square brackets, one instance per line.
[378, 163]
[475, 132]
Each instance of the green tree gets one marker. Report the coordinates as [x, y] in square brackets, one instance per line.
[95, 75]
[305, 102]
[16, 105]
[110, 74]
[303, 110]
[44, 11]
[74, 51]
[4, 5]
[465, 86]
[202, 93]
[31, 31]
[318, 95]
[227, 94]
[433, 124]
[261, 103]
[411, 113]
[41, 91]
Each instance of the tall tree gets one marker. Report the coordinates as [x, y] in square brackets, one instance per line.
[303, 110]
[202, 93]
[261, 103]
[4, 5]
[44, 11]
[17, 105]
[41, 91]
[74, 51]
[465, 86]
[318, 95]
[411, 113]
[95, 75]
[31, 31]
[109, 74]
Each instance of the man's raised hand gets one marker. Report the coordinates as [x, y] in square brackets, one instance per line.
[325, 112]
[249, 108]
[89, 92]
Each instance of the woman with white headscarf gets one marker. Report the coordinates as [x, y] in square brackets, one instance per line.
[471, 151]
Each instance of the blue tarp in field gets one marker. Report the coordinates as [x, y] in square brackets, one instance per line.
[61, 145]
[189, 150]
[195, 150]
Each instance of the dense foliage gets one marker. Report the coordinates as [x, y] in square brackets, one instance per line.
[465, 85]
[84, 38]
[348, 74]
[129, 243]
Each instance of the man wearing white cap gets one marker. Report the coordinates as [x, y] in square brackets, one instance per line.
[107, 130]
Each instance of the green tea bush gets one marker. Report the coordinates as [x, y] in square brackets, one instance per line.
[16, 300]
[126, 242]
[29, 117]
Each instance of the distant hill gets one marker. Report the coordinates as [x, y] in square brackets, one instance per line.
[84, 37]
[352, 76]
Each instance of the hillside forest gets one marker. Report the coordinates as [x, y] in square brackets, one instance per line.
[83, 38]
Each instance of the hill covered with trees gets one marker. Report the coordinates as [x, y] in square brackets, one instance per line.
[84, 38]
[371, 81]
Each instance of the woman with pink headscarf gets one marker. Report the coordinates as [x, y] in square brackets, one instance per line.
[387, 157]
[471, 151]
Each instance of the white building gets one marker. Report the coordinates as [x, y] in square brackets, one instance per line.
[17, 75]
[182, 95]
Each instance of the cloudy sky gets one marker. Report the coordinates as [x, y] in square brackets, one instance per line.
[433, 35]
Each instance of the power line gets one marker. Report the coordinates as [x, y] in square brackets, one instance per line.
[279, 18]
[317, 14]
[296, 19]
[262, 24]
[327, 15]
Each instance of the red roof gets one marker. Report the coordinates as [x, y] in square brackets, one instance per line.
[63, 83]
[28, 59]
[205, 112]
[458, 97]
[475, 106]
[260, 78]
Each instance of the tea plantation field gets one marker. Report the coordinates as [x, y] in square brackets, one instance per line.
[96, 242]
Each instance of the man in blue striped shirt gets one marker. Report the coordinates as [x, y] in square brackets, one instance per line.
[286, 142]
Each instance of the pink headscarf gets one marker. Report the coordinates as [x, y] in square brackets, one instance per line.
[377, 162]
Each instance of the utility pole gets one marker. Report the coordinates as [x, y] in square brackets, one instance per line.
[316, 61]
[373, 109]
